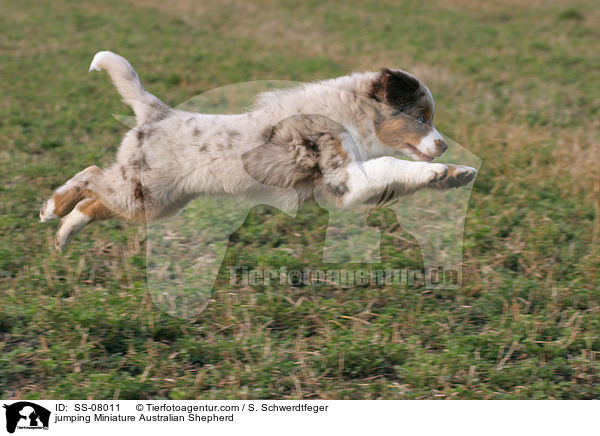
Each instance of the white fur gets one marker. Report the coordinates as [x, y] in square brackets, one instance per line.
[47, 211]
[127, 82]
[95, 65]
[71, 225]
[367, 179]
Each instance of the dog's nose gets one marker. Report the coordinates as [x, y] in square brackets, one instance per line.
[441, 145]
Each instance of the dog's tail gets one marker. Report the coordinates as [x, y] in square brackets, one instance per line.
[127, 81]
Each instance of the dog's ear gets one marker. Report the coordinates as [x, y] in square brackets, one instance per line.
[395, 87]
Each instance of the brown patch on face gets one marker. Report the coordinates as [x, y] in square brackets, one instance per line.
[404, 93]
[123, 172]
[196, 132]
[96, 210]
[403, 133]
[422, 106]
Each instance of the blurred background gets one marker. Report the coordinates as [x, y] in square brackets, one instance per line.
[515, 82]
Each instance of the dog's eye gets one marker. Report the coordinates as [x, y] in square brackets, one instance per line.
[421, 120]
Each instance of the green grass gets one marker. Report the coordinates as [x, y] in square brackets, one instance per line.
[515, 84]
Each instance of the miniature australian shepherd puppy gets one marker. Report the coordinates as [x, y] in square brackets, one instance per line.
[336, 139]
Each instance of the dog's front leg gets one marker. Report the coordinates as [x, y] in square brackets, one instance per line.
[380, 180]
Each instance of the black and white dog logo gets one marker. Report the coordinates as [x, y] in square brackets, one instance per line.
[26, 415]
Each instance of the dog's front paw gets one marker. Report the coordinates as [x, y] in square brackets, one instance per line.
[435, 173]
[455, 177]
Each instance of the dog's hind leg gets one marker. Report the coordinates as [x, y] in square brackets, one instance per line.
[67, 196]
[117, 195]
[85, 212]
[126, 197]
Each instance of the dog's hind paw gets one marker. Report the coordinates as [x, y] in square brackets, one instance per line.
[47, 211]
[69, 226]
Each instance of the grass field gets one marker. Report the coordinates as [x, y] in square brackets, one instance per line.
[515, 82]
